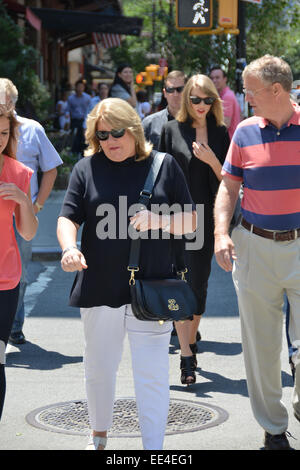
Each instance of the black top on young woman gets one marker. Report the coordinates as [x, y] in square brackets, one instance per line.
[177, 139]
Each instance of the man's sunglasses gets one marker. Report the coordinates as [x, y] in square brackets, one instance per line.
[116, 133]
[197, 100]
[171, 89]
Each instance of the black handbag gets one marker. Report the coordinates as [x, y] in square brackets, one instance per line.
[159, 299]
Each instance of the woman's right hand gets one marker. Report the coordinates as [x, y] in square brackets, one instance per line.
[73, 260]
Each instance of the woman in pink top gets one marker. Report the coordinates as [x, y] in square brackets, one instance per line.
[15, 201]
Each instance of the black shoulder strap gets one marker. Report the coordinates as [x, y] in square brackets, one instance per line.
[146, 194]
[144, 200]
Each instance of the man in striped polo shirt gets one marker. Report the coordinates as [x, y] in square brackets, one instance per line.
[265, 248]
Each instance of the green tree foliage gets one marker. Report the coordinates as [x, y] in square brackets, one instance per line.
[17, 62]
[271, 28]
[183, 51]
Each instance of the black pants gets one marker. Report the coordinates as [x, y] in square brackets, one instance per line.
[78, 144]
[8, 308]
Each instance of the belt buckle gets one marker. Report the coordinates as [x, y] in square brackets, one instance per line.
[289, 233]
[295, 234]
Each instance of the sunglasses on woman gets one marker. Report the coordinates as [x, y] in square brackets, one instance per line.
[197, 100]
[116, 133]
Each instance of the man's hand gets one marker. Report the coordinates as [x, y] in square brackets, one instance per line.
[224, 251]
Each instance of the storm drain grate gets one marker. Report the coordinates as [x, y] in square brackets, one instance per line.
[72, 417]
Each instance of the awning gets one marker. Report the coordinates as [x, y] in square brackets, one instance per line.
[71, 21]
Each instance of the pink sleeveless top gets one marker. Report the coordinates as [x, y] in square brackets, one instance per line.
[10, 260]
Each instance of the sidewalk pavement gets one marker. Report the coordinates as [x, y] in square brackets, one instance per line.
[45, 245]
[48, 369]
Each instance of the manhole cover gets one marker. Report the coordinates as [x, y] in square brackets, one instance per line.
[72, 417]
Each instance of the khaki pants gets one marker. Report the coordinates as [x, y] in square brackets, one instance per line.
[264, 271]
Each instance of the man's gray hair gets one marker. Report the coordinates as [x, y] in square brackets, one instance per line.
[271, 69]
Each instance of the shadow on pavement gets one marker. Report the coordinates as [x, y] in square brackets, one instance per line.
[218, 348]
[209, 383]
[48, 291]
[213, 383]
[32, 357]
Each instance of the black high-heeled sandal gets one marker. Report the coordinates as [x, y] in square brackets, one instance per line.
[194, 349]
[187, 366]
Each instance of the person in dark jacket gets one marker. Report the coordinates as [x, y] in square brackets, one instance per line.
[172, 92]
[198, 140]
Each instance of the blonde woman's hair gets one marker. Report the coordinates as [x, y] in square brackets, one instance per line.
[118, 114]
[11, 148]
[206, 85]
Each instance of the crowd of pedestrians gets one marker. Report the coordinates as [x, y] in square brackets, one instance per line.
[210, 153]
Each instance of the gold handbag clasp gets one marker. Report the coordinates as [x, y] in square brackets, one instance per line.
[182, 273]
[132, 279]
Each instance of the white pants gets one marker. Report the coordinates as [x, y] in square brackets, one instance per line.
[264, 271]
[104, 331]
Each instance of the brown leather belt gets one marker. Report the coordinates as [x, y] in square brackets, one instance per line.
[276, 236]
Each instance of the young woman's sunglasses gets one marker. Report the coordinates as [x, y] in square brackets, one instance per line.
[171, 89]
[116, 133]
[197, 100]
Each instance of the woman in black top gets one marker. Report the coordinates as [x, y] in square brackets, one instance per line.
[102, 189]
[198, 140]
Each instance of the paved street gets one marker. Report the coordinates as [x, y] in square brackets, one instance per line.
[48, 369]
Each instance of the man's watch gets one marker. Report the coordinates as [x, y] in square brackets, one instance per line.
[39, 206]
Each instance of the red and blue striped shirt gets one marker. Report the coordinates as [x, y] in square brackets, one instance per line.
[267, 160]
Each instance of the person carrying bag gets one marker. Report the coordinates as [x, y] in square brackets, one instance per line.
[159, 299]
[114, 171]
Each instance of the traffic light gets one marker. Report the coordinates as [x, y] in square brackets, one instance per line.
[228, 14]
[139, 78]
[152, 71]
[194, 15]
[162, 73]
[143, 78]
